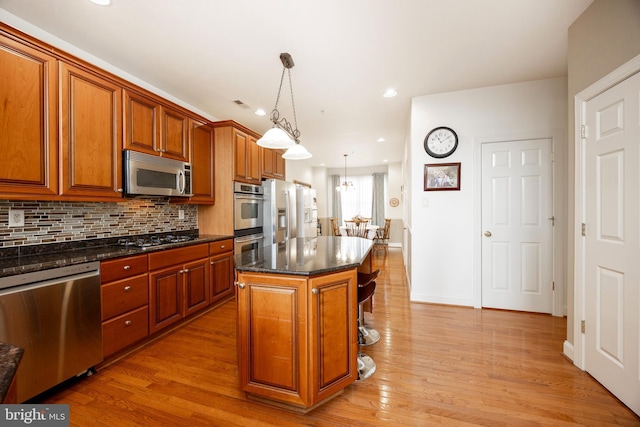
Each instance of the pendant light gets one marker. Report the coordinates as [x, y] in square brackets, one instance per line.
[346, 185]
[282, 134]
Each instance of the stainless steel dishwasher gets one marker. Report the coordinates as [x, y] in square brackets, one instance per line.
[54, 315]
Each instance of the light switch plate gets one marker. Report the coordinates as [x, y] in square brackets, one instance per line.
[16, 218]
[180, 214]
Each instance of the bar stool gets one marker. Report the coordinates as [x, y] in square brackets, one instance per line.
[366, 335]
[366, 287]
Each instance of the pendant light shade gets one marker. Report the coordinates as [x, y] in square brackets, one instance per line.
[283, 134]
[276, 138]
[296, 152]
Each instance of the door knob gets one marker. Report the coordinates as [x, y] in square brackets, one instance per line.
[487, 234]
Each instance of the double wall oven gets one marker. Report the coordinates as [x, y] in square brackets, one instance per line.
[248, 218]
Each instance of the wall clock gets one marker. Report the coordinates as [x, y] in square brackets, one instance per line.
[394, 202]
[441, 142]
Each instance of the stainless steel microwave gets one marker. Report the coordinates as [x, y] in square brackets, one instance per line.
[149, 175]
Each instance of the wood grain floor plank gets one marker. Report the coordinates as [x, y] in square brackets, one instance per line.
[436, 365]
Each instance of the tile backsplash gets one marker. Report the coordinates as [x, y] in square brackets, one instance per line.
[49, 222]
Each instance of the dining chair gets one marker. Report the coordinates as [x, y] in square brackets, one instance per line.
[381, 240]
[334, 226]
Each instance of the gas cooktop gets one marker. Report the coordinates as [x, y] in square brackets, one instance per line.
[153, 241]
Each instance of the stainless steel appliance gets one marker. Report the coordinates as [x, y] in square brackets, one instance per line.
[146, 174]
[248, 209]
[249, 247]
[280, 223]
[307, 211]
[54, 315]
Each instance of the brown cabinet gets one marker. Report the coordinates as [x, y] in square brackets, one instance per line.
[154, 128]
[221, 270]
[247, 158]
[178, 284]
[273, 165]
[203, 166]
[28, 139]
[91, 140]
[124, 297]
[297, 336]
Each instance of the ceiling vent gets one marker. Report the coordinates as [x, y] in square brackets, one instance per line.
[241, 104]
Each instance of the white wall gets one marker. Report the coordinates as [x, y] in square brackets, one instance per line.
[445, 226]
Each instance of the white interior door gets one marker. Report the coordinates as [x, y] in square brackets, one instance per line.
[612, 240]
[517, 245]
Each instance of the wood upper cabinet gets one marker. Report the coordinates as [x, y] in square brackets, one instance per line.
[247, 158]
[311, 324]
[28, 139]
[154, 128]
[273, 165]
[203, 162]
[90, 136]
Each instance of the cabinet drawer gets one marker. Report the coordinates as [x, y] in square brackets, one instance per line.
[220, 247]
[122, 267]
[177, 256]
[124, 295]
[125, 330]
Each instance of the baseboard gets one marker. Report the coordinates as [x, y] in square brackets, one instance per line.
[567, 350]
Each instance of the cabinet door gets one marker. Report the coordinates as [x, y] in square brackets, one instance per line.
[174, 134]
[254, 161]
[221, 268]
[28, 140]
[165, 298]
[279, 167]
[272, 337]
[196, 289]
[240, 154]
[91, 138]
[141, 118]
[268, 163]
[202, 163]
[333, 337]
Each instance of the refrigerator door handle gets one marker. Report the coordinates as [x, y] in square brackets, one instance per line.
[287, 215]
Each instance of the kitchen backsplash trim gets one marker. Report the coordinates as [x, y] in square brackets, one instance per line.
[58, 222]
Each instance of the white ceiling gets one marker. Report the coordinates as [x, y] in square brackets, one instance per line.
[209, 53]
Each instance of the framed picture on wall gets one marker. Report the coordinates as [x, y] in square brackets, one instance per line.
[442, 177]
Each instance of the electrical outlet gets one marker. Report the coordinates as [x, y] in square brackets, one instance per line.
[180, 213]
[16, 218]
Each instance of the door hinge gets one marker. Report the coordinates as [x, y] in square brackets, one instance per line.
[583, 326]
[553, 286]
[583, 131]
[584, 229]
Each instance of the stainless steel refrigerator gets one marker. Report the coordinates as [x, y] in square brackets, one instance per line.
[290, 211]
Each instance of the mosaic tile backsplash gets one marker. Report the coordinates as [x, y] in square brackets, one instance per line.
[49, 222]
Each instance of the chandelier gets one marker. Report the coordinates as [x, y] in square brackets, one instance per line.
[283, 134]
[346, 185]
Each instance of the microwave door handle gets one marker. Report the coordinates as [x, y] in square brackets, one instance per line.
[181, 181]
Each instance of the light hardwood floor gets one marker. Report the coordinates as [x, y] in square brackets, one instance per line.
[436, 365]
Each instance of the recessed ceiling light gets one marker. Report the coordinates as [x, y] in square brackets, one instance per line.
[390, 93]
[380, 140]
[101, 2]
[260, 112]
[385, 161]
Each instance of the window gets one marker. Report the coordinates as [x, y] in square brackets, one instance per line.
[358, 201]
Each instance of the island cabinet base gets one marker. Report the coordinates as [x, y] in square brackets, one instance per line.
[297, 337]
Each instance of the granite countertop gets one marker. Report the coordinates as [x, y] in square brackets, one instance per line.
[27, 259]
[10, 357]
[306, 257]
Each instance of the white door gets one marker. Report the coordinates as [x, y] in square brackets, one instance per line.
[612, 240]
[517, 246]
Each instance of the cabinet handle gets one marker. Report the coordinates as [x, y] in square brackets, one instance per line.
[127, 267]
[241, 285]
[315, 291]
[127, 288]
[222, 247]
[127, 323]
[120, 190]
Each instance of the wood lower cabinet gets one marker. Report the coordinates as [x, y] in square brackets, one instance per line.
[178, 284]
[125, 302]
[28, 138]
[297, 337]
[91, 139]
[221, 270]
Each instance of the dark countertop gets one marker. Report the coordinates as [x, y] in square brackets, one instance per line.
[27, 259]
[306, 257]
[10, 357]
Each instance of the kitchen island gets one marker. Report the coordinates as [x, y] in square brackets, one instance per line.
[297, 319]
